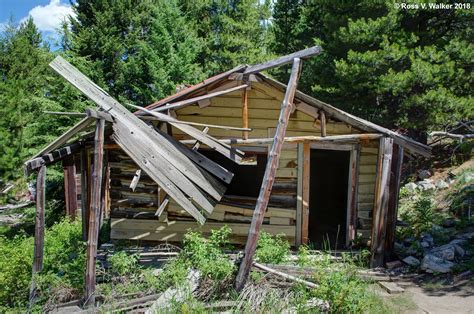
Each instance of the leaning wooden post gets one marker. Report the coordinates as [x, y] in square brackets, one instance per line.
[94, 212]
[394, 189]
[379, 219]
[269, 177]
[39, 231]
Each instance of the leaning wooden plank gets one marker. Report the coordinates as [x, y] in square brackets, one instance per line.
[182, 103]
[309, 284]
[109, 104]
[81, 125]
[269, 178]
[70, 188]
[39, 232]
[136, 178]
[379, 222]
[167, 118]
[90, 278]
[302, 54]
[159, 169]
[206, 163]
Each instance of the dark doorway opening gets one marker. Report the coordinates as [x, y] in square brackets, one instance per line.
[329, 171]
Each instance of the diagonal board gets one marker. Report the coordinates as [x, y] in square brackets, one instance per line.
[230, 152]
[158, 152]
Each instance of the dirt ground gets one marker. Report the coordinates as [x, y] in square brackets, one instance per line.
[433, 297]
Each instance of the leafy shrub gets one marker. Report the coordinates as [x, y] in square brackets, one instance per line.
[122, 263]
[420, 214]
[303, 255]
[207, 255]
[271, 249]
[63, 267]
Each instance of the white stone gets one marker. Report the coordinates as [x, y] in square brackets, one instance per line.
[441, 184]
[411, 187]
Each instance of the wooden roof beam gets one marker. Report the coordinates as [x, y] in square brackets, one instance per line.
[183, 103]
[302, 54]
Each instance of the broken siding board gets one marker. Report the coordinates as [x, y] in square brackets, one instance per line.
[160, 174]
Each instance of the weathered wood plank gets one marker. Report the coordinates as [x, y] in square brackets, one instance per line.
[245, 114]
[90, 278]
[269, 177]
[70, 188]
[91, 113]
[379, 223]
[52, 157]
[306, 192]
[80, 126]
[302, 54]
[39, 231]
[84, 193]
[182, 103]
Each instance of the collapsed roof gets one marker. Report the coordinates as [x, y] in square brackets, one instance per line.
[194, 181]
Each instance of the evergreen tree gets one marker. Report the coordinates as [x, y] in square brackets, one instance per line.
[140, 50]
[234, 32]
[402, 68]
[27, 88]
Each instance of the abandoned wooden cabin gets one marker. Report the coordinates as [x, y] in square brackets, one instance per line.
[336, 183]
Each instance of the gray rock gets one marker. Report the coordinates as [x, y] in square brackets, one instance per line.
[469, 177]
[446, 252]
[412, 261]
[448, 223]
[466, 236]
[411, 187]
[458, 250]
[426, 185]
[441, 184]
[425, 244]
[458, 241]
[424, 174]
[428, 238]
[434, 264]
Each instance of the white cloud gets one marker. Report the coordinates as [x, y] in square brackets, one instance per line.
[49, 17]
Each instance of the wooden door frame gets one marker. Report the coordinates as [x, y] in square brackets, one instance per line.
[303, 188]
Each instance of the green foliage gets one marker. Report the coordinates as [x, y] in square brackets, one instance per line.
[271, 249]
[340, 285]
[140, 50]
[64, 264]
[401, 68]
[206, 255]
[232, 32]
[419, 212]
[303, 255]
[122, 263]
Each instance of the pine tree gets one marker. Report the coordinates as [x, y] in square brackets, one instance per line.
[139, 50]
[401, 68]
[27, 88]
[234, 32]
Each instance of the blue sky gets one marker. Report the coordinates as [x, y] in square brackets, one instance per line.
[47, 14]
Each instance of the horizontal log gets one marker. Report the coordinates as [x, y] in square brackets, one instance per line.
[297, 139]
[52, 157]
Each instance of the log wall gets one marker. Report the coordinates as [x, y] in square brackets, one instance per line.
[133, 212]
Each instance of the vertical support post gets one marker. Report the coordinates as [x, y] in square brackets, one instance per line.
[245, 113]
[269, 177]
[84, 193]
[394, 189]
[353, 187]
[306, 189]
[70, 188]
[379, 222]
[94, 213]
[299, 195]
[322, 118]
[39, 231]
